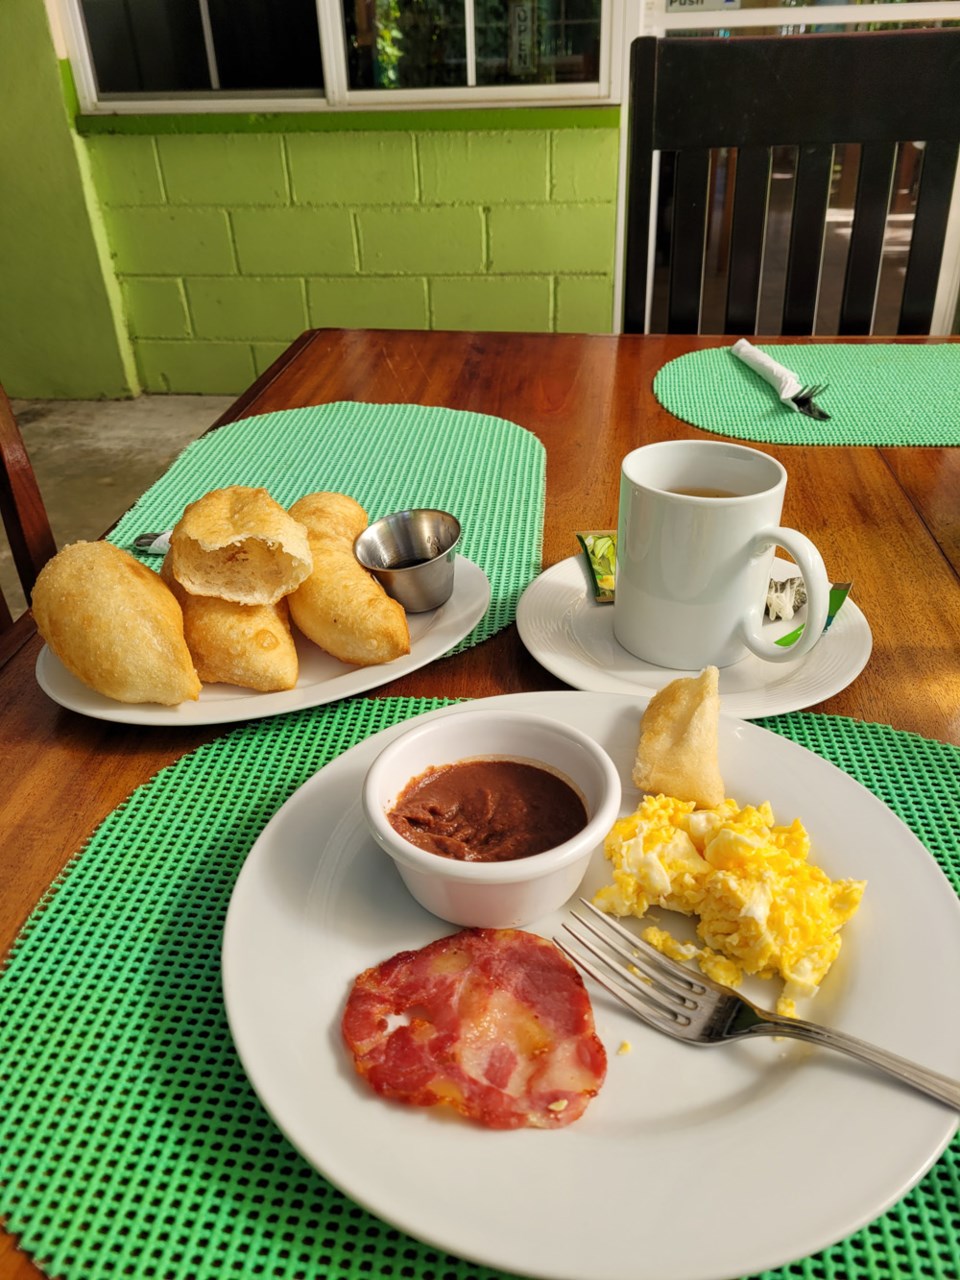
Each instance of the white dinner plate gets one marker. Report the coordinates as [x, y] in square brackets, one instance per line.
[572, 636]
[690, 1164]
[322, 678]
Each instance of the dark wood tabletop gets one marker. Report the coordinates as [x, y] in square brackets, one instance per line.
[886, 519]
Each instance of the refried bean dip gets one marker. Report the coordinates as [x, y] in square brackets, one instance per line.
[487, 810]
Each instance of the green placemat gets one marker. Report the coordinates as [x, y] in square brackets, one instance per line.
[879, 394]
[489, 472]
[131, 1143]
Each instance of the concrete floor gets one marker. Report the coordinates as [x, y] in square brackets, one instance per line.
[94, 458]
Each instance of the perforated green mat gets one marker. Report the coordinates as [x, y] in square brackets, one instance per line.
[489, 472]
[131, 1143]
[878, 394]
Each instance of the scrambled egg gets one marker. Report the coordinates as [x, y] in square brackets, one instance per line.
[763, 908]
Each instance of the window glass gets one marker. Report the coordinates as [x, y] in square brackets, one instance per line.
[266, 44]
[537, 41]
[405, 44]
[159, 46]
[146, 46]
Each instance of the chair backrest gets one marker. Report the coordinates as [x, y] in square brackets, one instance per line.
[21, 506]
[692, 96]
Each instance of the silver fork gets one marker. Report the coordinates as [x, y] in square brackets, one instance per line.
[805, 401]
[694, 1008]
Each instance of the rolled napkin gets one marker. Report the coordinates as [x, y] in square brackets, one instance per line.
[786, 382]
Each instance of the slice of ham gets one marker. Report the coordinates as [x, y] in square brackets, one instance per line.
[495, 1023]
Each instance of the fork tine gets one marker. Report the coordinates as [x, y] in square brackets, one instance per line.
[642, 959]
[812, 391]
[646, 987]
[692, 983]
[643, 1009]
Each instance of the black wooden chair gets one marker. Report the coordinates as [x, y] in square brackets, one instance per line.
[26, 523]
[693, 95]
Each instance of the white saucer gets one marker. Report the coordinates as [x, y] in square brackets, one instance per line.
[572, 636]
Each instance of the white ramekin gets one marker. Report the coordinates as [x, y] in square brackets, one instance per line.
[493, 894]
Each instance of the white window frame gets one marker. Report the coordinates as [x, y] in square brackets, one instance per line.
[652, 18]
[337, 95]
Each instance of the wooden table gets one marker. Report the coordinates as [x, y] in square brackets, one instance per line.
[887, 519]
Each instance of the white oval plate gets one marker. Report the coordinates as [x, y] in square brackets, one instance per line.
[322, 678]
[572, 636]
[691, 1164]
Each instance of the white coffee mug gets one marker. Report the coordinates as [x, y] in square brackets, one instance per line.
[696, 537]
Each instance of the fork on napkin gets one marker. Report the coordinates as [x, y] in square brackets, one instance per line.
[788, 386]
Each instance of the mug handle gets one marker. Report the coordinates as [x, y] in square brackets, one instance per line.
[814, 573]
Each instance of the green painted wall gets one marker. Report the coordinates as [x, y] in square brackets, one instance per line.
[184, 253]
[62, 331]
[228, 244]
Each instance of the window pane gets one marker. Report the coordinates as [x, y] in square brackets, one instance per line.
[537, 41]
[157, 46]
[266, 44]
[405, 44]
[146, 46]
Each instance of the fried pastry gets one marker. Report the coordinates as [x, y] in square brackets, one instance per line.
[678, 752]
[249, 645]
[239, 544]
[114, 625]
[340, 606]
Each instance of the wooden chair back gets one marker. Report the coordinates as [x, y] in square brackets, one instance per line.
[24, 515]
[691, 96]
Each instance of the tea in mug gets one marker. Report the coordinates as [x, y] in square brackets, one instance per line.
[705, 493]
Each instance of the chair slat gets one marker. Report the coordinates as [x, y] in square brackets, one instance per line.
[748, 226]
[805, 254]
[926, 244]
[871, 205]
[817, 87]
[643, 57]
[687, 240]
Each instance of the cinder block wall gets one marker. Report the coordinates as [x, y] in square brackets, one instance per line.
[227, 246]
